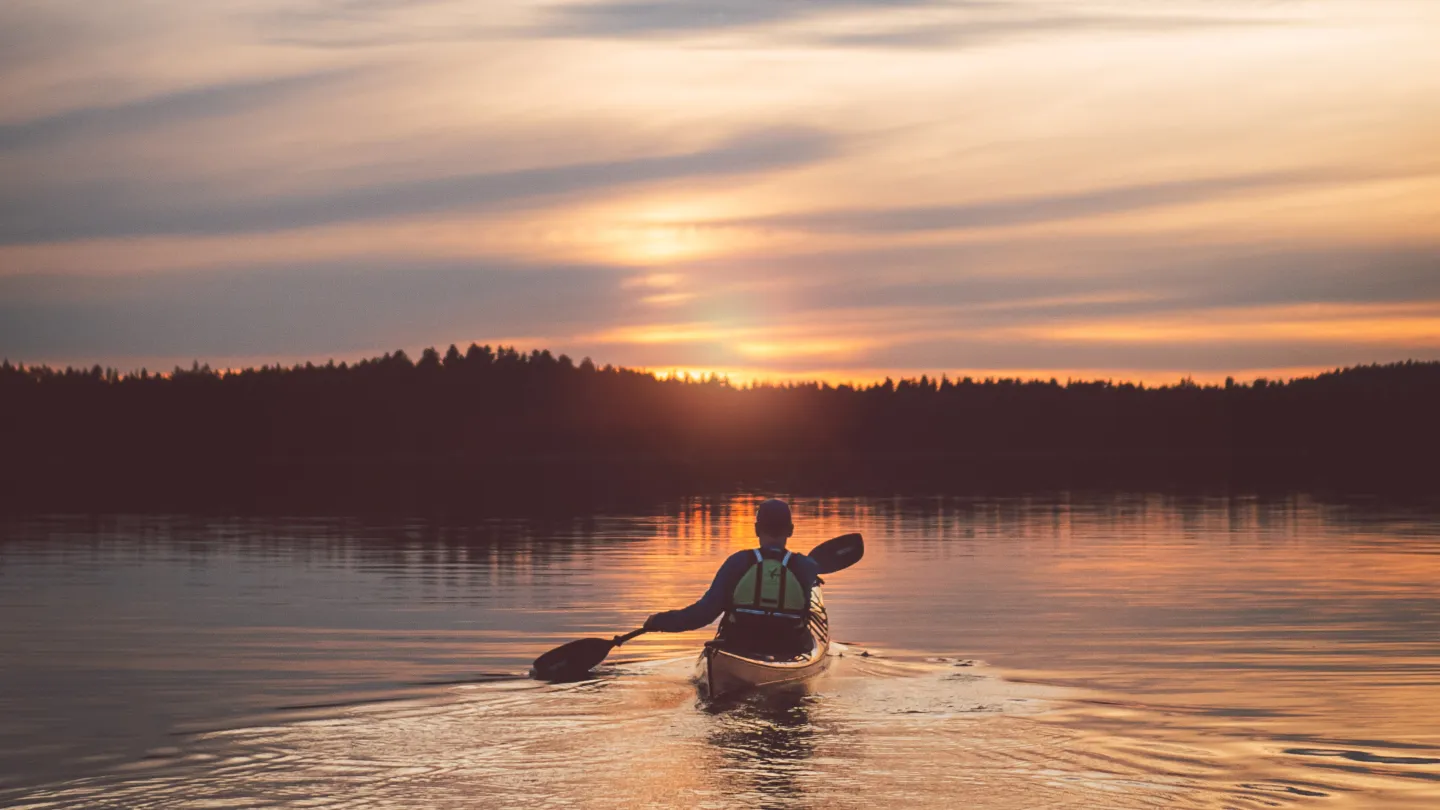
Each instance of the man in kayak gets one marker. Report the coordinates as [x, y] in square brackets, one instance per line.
[763, 592]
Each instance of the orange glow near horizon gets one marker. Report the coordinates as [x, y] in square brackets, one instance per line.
[744, 377]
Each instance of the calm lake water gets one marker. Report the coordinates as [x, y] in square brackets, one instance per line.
[1126, 652]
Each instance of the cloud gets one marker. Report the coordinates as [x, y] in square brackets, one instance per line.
[1038, 209]
[962, 33]
[912, 345]
[908, 23]
[1010, 280]
[666, 17]
[57, 213]
[1196, 340]
[1152, 306]
[950, 23]
[327, 309]
[156, 112]
[1117, 307]
[359, 24]
[1177, 356]
[1163, 307]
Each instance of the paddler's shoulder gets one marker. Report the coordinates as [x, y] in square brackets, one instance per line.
[804, 562]
[744, 555]
[738, 563]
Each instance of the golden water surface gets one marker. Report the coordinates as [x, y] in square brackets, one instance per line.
[1117, 652]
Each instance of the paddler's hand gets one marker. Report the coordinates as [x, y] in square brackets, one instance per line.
[651, 626]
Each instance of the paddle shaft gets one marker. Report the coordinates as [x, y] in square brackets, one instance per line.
[632, 634]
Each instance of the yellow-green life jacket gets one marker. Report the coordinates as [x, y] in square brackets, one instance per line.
[770, 588]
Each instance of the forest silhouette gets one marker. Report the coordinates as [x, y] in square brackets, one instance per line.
[496, 430]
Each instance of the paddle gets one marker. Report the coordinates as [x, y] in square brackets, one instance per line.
[571, 661]
[838, 553]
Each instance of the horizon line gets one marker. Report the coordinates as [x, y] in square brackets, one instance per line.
[754, 378]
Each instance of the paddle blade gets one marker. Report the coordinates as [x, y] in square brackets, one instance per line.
[839, 553]
[571, 661]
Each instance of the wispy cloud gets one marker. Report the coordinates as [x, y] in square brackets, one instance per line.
[284, 310]
[953, 33]
[153, 113]
[1214, 310]
[362, 24]
[872, 23]
[1030, 210]
[1110, 276]
[82, 211]
[664, 17]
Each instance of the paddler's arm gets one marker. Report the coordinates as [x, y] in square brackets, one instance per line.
[710, 606]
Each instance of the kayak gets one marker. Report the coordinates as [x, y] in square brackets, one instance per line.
[723, 671]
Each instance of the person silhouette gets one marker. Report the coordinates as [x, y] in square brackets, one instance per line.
[764, 593]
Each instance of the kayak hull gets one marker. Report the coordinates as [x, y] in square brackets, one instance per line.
[722, 672]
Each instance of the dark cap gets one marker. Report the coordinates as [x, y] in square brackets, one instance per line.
[773, 515]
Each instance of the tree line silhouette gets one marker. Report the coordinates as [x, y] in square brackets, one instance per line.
[494, 429]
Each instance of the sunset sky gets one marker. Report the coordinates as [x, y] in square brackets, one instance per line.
[837, 189]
